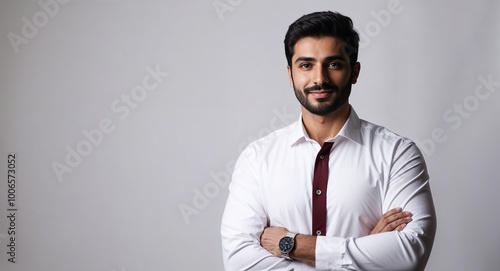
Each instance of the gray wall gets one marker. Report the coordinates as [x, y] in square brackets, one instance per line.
[126, 118]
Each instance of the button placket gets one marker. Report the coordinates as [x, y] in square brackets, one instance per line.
[320, 183]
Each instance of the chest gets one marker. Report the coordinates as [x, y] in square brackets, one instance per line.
[355, 189]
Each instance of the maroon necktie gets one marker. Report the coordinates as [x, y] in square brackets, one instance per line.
[320, 183]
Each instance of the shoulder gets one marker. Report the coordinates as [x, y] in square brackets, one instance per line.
[378, 136]
[399, 153]
[276, 140]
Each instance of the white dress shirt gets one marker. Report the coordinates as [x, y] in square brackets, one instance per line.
[372, 170]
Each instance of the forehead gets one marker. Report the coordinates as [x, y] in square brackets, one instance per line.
[319, 47]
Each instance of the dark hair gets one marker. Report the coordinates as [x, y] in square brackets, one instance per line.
[320, 24]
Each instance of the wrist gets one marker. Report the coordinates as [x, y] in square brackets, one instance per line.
[304, 249]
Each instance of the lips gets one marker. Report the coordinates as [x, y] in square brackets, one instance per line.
[320, 93]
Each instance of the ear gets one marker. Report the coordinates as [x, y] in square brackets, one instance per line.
[290, 79]
[355, 72]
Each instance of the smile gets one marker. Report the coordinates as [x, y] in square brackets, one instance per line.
[320, 94]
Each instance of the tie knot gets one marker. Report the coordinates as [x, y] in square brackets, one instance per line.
[327, 146]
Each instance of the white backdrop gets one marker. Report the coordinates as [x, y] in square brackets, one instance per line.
[125, 119]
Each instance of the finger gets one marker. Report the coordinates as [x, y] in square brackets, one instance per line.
[387, 223]
[389, 220]
[393, 221]
[396, 223]
[385, 219]
[394, 217]
[392, 212]
[400, 227]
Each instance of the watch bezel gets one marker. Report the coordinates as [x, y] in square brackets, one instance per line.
[290, 239]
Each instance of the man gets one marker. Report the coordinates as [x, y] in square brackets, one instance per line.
[327, 192]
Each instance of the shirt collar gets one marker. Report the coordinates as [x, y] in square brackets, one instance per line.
[351, 130]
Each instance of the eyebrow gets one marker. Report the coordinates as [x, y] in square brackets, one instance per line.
[328, 58]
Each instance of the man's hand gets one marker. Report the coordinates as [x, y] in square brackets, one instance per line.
[304, 250]
[393, 220]
[270, 239]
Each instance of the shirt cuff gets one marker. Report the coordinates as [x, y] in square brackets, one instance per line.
[331, 254]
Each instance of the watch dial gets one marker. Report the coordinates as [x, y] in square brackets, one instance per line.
[286, 244]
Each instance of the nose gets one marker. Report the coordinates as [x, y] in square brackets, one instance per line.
[320, 75]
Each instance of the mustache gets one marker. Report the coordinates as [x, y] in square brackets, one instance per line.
[324, 86]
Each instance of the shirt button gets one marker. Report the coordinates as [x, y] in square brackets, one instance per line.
[318, 192]
[322, 157]
[318, 232]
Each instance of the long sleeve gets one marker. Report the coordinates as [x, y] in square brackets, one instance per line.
[372, 170]
[243, 221]
[408, 187]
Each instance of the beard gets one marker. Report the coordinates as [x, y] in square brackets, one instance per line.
[326, 105]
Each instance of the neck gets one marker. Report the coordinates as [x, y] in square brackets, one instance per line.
[322, 128]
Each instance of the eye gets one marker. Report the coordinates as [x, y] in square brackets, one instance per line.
[305, 66]
[334, 65]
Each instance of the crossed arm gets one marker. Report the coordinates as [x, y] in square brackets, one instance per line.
[392, 245]
[249, 244]
[305, 245]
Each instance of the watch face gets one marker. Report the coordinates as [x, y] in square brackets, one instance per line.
[286, 244]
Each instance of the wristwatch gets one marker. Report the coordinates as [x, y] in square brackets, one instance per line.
[286, 244]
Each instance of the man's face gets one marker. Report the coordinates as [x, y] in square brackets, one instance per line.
[321, 74]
